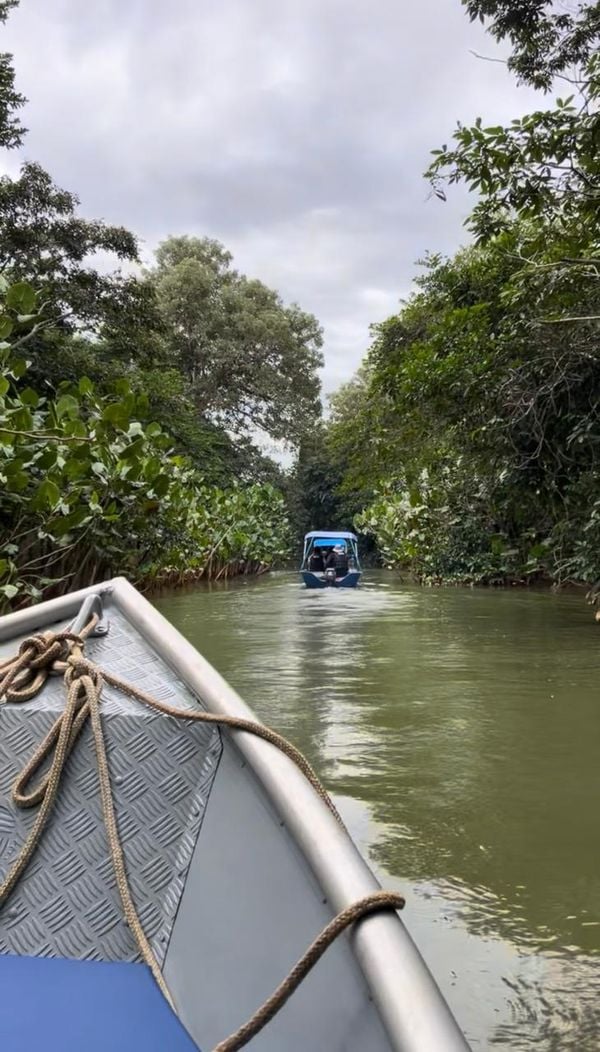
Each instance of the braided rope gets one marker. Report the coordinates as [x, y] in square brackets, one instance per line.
[379, 900]
[22, 677]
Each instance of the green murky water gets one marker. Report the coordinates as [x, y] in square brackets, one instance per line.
[459, 730]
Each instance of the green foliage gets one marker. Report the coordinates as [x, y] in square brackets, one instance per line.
[359, 438]
[250, 362]
[312, 487]
[11, 132]
[547, 38]
[482, 455]
[544, 165]
[127, 434]
[89, 487]
[442, 529]
[489, 378]
[339, 463]
[435, 542]
[221, 361]
[44, 241]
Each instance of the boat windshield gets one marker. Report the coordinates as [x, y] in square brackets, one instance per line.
[323, 545]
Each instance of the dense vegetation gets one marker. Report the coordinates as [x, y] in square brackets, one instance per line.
[465, 448]
[468, 444]
[132, 405]
[90, 488]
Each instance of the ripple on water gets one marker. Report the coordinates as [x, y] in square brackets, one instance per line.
[460, 729]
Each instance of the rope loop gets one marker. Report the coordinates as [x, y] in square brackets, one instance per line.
[33, 645]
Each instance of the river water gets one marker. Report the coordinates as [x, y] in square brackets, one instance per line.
[459, 733]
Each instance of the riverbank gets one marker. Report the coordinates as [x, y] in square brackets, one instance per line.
[174, 578]
[167, 580]
[537, 584]
[91, 489]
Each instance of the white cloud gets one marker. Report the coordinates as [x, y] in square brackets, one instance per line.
[295, 131]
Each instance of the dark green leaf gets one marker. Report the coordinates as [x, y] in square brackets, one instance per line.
[30, 397]
[48, 494]
[68, 406]
[21, 297]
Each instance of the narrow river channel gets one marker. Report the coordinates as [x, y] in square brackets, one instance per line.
[459, 732]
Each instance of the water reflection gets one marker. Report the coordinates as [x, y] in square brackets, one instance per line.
[466, 726]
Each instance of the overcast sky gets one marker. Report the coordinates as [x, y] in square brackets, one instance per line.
[295, 131]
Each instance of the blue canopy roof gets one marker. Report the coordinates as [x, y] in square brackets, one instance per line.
[333, 535]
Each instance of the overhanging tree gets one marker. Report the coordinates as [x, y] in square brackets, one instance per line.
[547, 38]
[546, 164]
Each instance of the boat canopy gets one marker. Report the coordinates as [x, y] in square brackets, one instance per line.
[331, 535]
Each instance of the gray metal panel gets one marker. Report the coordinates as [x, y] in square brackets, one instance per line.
[66, 904]
[249, 909]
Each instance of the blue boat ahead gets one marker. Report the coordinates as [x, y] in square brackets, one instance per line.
[330, 560]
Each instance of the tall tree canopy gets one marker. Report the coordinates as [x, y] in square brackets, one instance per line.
[217, 354]
[547, 37]
[11, 131]
[544, 165]
[91, 483]
[43, 239]
[251, 362]
[482, 457]
[483, 391]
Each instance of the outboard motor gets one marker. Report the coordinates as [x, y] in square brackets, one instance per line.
[330, 575]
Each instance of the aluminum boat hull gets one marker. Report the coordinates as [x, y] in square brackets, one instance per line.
[235, 863]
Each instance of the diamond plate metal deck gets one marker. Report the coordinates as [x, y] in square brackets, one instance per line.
[66, 904]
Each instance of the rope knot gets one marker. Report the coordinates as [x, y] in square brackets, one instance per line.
[79, 668]
[23, 676]
[33, 643]
[40, 652]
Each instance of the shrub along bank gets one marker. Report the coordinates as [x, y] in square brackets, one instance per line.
[90, 487]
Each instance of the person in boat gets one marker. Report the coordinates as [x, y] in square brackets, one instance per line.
[341, 560]
[315, 563]
[330, 559]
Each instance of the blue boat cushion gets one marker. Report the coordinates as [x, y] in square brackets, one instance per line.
[63, 1005]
